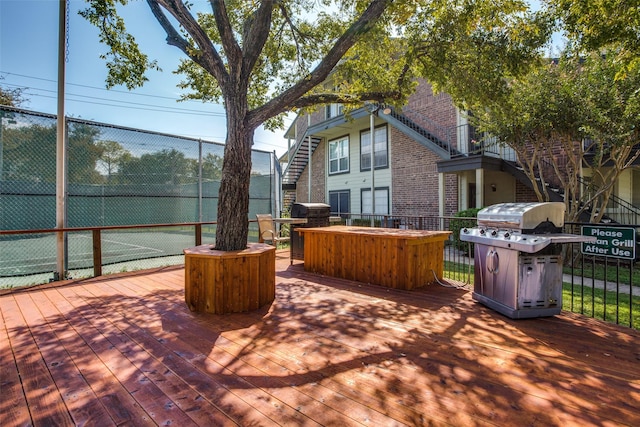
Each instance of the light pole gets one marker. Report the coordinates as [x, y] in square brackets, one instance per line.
[61, 152]
[1, 144]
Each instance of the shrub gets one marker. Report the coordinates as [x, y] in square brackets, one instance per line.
[467, 219]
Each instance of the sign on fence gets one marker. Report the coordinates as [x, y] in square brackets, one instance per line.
[611, 241]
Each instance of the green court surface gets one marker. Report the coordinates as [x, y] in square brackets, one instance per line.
[37, 254]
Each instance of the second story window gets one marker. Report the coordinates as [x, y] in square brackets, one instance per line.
[333, 110]
[380, 152]
[339, 155]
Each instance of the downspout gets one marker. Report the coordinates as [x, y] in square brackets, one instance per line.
[309, 156]
[373, 186]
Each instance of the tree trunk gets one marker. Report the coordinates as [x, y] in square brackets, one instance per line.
[233, 198]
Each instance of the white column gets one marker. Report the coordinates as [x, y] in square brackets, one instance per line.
[479, 188]
[441, 195]
[463, 192]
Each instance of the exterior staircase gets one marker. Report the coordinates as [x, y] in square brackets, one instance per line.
[298, 159]
[435, 138]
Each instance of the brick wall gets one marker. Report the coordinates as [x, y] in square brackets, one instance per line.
[415, 179]
[524, 193]
[434, 112]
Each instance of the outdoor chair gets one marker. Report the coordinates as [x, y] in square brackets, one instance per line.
[267, 230]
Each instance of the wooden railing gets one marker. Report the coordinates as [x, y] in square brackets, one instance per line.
[97, 235]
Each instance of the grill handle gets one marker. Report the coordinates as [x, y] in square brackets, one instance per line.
[493, 262]
[499, 223]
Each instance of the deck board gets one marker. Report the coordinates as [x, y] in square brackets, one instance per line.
[126, 350]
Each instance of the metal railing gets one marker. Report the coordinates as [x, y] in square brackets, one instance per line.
[594, 286]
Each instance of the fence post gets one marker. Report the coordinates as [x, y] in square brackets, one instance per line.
[198, 234]
[199, 181]
[97, 253]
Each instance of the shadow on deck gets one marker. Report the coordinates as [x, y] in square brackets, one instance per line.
[125, 349]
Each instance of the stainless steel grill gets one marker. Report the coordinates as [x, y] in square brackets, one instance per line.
[518, 258]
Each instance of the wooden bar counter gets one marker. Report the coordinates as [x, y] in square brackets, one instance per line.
[400, 259]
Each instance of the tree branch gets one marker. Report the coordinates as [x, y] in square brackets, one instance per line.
[288, 98]
[255, 37]
[173, 37]
[209, 59]
[332, 98]
[229, 43]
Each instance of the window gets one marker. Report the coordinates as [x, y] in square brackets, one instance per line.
[333, 110]
[382, 201]
[380, 151]
[339, 201]
[339, 155]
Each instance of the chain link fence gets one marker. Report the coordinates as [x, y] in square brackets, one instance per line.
[115, 176]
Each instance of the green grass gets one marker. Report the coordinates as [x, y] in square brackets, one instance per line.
[609, 306]
[458, 271]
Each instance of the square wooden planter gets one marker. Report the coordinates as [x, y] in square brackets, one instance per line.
[229, 282]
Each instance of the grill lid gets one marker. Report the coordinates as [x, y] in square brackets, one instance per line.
[525, 227]
[310, 210]
[526, 217]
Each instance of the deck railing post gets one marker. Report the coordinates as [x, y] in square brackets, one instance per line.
[97, 253]
[198, 234]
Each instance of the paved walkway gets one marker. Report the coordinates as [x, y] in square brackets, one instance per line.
[599, 284]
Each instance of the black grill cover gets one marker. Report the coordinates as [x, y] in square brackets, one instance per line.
[310, 210]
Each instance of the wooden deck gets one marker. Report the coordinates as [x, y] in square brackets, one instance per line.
[125, 350]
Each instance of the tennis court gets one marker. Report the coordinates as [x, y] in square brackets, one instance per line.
[36, 255]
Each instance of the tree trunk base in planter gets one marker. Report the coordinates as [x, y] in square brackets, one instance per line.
[229, 281]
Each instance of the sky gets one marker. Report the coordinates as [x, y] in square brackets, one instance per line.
[29, 59]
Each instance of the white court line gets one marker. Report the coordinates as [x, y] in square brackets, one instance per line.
[126, 244]
[105, 254]
[80, 254]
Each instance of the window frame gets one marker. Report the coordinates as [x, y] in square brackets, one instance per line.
[333, 110]
[342, 139]
[385, 150]
[339, 193]
[363, 191]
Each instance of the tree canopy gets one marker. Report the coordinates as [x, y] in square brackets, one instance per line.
[260, 59]
[566, 115]
[265, 58]
[593, 25]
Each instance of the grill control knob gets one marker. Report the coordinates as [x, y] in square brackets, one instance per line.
[494, 233]
[481, 231]
[465, 231]
[506, 235]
